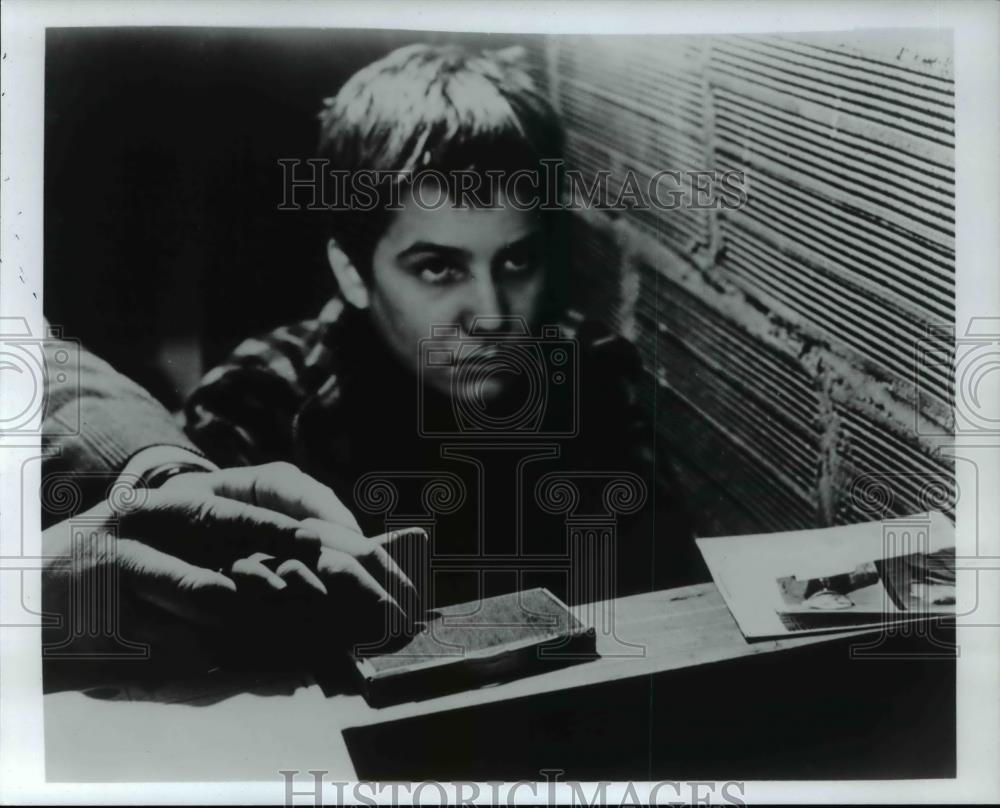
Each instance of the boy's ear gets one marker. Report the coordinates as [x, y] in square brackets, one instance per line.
[348, 279]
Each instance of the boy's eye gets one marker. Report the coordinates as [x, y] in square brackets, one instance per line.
[439, 272]
[519, 263]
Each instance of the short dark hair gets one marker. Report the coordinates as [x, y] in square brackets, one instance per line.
[433, 107]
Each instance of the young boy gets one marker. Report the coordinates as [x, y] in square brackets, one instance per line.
[433, 365]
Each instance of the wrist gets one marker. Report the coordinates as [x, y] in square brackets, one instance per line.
[153, 466]
[158, 476]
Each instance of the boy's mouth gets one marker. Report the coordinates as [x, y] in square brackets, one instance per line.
[481, 373]
[488, 367]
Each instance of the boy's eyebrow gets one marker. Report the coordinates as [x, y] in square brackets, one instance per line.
[430, 246]
[520, 241]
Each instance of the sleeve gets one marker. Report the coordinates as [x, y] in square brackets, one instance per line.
[243, 411]
[97, 419]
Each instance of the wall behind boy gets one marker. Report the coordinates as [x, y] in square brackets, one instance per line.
[785, 338]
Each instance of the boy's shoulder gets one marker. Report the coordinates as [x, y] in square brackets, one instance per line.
[244, 409]
[295, 351]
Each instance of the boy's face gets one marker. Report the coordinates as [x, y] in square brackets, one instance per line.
[448, 266]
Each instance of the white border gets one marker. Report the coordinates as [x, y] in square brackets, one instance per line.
[977, 68]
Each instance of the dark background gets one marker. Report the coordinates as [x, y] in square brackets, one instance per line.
[163, 242]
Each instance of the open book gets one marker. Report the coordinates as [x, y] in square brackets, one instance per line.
[838, 578]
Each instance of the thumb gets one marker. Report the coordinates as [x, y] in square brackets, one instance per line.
[192, 593]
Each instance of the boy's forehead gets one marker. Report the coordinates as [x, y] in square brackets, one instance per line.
[439, 220]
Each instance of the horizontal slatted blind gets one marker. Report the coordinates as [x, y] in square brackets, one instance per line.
[629, 104]
[786, 329]
[851, 218]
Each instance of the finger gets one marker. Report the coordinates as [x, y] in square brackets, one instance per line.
[407, 549]
[409, 540]
[193, 593]
[373, 613]
[211, 531]
[252, 572]
[346, 571]
[373, 557]
[284, 488]
[298, 575]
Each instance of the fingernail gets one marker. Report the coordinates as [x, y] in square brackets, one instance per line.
[409, 531]
[223, 583]
[278, 583]
[307, 534]
[415, 597]
[319, 586]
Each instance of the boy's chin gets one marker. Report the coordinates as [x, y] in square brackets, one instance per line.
[482, 391]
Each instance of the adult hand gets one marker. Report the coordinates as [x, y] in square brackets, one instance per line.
[193, 549]
[278, 486]
[107, 593]
[329, 541]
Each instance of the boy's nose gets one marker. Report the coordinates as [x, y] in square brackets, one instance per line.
[485, 304]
